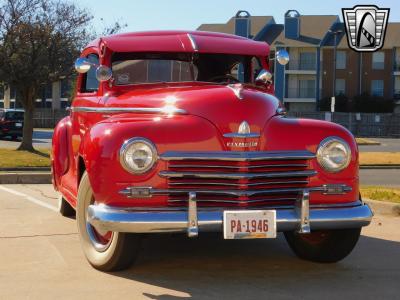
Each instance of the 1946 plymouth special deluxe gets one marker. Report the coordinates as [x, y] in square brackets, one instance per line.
[178, 131]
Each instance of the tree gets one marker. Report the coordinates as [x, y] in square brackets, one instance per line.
[39, 40]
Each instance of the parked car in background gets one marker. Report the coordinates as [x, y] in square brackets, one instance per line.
[178, 131]
[11, 123]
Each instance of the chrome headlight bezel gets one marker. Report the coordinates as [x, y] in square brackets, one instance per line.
[322, 159]
[126, 146]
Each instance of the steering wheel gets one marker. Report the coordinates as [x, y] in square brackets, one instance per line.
[228, 78]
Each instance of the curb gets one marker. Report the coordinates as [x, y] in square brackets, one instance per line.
[383, 208]
[382, 167]
[25, 178]
[25, 169]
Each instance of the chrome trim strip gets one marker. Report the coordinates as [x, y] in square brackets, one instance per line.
[172, 174]
[238, 156]
[237, 193]
[240, 167]
[124, 220]
[142, 110]
[241, 135]
[193, 42]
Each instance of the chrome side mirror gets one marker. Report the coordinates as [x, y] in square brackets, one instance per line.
[282, 56]
[103, 73]
[264, 77]
[82, 65]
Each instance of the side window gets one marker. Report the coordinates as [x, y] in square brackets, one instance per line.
[90, 82]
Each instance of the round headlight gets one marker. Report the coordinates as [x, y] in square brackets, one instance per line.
[333, 154]
[137, 155]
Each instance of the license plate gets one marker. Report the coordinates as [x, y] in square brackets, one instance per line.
[255, 224]
[18, 124]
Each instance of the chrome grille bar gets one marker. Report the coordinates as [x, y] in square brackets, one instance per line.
[237, 184]
[236, 201]
[172, 174]
[240, 167]
[238, 156]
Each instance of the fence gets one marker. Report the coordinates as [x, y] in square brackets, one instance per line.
[47, 118]
[360, 124]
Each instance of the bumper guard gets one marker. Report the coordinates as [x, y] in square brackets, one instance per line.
[303, 218]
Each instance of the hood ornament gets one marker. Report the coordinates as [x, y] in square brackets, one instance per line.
[244, 128]
[237, 89]
[243, 132]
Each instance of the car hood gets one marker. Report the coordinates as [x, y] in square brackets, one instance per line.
[226, 106]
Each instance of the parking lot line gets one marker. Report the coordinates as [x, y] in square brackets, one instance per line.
[29, 198]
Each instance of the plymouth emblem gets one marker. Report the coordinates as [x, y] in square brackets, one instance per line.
[243, 132]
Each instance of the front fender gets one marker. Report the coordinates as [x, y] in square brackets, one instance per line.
[59, 153]
[101, 145]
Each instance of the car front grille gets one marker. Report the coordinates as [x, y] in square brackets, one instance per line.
[237, 179]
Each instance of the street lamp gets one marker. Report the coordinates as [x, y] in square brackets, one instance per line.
[335, 33]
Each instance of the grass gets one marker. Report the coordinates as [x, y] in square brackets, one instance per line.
[10, 158]
[380, 193]
[379, 158]
[365, 141]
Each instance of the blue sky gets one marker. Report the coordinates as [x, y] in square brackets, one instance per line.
[189, 14]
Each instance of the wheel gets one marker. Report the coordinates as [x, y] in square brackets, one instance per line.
[105, 251]
[65, 209]
[325, 246]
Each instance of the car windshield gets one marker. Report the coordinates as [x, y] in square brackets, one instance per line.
[14, 115]
[134, 68]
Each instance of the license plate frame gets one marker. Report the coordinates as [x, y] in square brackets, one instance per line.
[18, 124]
[249, 224]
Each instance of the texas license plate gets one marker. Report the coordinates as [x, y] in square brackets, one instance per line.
[18, 124]
[255, 224]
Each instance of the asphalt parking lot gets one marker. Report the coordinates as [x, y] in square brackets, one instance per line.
[41, 259]
[387, 145]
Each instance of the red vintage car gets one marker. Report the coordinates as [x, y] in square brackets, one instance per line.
[178, 131]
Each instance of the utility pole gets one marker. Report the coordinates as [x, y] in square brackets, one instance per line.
[335, 33]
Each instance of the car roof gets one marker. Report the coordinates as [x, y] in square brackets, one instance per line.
[182, 41]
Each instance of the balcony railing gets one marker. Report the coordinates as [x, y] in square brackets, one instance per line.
[303, 64]
[301, 93]
[396, 94]
[340, 92]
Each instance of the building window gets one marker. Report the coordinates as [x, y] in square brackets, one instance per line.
[306, 89]
[340, 87]
[378, 60]
[308, 61]
[341, 60]
[377, 88]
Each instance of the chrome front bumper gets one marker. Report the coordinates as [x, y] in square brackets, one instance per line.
[303, 218]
